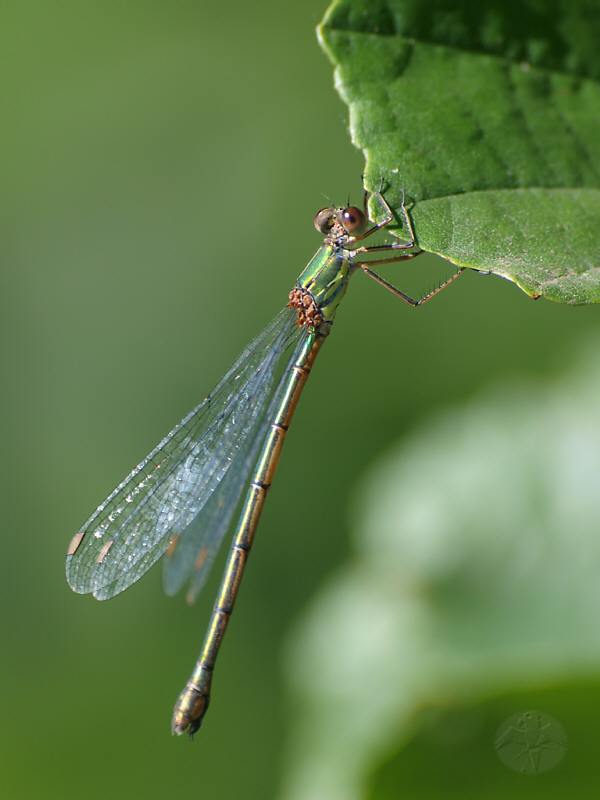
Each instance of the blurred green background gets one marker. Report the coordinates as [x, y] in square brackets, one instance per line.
[161, 164]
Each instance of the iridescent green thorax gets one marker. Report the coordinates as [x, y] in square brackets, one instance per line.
[320, 288]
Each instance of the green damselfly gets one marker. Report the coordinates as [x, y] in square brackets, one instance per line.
[180, 500]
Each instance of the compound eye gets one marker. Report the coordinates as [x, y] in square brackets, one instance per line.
[325, 220]
[353, 220]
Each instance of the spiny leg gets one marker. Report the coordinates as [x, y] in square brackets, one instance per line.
[366, 266]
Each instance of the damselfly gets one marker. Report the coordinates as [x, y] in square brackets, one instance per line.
[180, 500]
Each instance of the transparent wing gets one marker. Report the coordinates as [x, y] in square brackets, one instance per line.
[194, 553]
[164, 494]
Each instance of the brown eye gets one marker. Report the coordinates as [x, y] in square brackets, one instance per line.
[325, 220]
[353, 220]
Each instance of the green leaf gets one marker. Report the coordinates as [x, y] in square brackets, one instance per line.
[475, 574]
[487, 115]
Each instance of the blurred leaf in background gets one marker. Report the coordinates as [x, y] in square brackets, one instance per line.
[476, 574]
